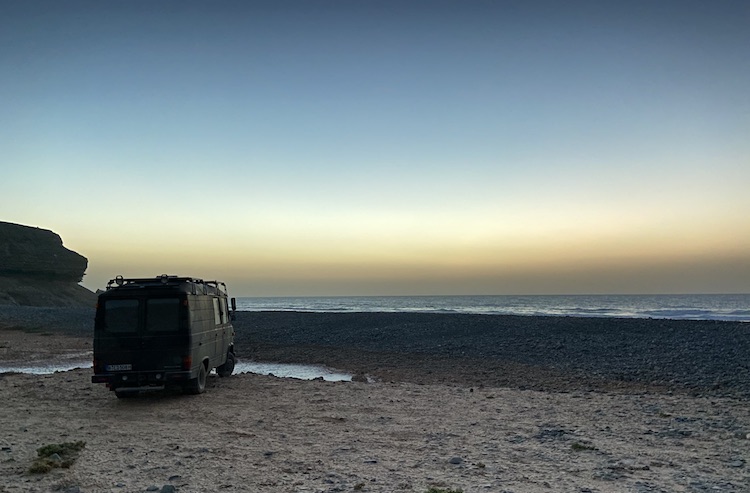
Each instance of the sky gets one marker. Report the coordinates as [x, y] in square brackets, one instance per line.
[295, 148]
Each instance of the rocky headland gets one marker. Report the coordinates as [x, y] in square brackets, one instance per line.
[37, 270]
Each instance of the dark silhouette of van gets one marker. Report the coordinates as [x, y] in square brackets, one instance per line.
[160, 332]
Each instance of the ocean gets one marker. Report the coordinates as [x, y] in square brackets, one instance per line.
[734, 307]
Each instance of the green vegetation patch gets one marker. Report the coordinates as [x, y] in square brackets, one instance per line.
[29, 329]
[582, 446]
[441, 490]
[56, 455]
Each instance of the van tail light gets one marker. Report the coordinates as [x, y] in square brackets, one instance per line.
[187, 362]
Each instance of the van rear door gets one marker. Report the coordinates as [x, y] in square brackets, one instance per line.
[141, 334]
[166, 334]
[117, 334]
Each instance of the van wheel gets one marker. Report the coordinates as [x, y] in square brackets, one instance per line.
[228, 367]
[198, 385]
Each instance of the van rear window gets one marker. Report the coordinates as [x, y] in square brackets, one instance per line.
[162, 315]
[121, 315]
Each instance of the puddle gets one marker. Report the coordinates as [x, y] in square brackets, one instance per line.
[301, 372]
[46, 368]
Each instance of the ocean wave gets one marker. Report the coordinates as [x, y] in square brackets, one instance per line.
[693, 314]
[681, 307]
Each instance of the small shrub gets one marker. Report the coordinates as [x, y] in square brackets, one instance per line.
[70, 449]
[581, 446]
[440, 490]
[41, 466]
[61, 455]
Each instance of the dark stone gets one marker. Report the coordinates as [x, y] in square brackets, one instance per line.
[737, 463]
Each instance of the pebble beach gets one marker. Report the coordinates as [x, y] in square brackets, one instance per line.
[699, 357]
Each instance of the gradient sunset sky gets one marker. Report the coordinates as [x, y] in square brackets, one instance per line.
[385, 148]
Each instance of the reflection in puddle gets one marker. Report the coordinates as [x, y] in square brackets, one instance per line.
[302, 372]
[41, 368]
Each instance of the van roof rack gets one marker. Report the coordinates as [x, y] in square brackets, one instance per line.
[164, 280]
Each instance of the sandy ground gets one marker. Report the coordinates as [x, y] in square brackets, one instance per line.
[265, 434]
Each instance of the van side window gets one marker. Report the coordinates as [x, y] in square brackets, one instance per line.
[225, 312]
[121, 315]
[162, 315]
[217, 311]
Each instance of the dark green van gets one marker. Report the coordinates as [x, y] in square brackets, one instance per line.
[160, 332]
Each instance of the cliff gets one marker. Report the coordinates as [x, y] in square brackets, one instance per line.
[37, 270]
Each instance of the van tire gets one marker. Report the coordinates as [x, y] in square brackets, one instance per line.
[228, 367]
[198, 385]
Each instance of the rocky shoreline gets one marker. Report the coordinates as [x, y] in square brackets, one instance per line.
[542, 353]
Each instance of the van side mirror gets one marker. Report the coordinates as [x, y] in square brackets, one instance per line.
[234, 308]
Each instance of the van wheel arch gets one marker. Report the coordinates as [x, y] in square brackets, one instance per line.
[227, 368]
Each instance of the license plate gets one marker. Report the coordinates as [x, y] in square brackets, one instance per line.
[119, 367]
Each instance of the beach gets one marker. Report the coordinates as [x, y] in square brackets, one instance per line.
[503, 404]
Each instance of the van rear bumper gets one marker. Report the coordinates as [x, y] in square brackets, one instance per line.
[124, 380]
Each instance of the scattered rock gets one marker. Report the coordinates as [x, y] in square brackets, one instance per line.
[628, 465]
[550, 434]
[737, 463]
[359, 377]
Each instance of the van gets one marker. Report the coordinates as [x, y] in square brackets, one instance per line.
[166, 331]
